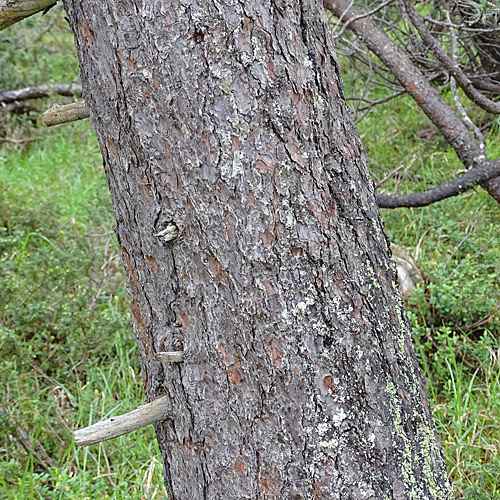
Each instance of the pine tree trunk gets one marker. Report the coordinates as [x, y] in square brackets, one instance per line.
[225, 122]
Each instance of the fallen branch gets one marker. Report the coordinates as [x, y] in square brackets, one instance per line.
[38, 91]
[472, 178]
[65, 113]
[123, 424]
[395, 171]
[13, 11]
[13, 140]
[36, 449]
[418, 87]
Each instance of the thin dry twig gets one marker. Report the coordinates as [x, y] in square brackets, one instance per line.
[395, 171]
[24, 140]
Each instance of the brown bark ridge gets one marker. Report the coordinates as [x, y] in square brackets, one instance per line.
[252, 241]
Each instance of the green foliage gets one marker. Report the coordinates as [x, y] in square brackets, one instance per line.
[461, 263]
[68, 353]
[36, 52]
[464, 385]
[484, 11]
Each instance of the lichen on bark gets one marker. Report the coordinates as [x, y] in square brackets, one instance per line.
[227, 120]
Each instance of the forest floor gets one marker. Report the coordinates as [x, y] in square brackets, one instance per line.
[68, 352]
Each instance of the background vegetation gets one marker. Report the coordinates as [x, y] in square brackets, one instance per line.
[67, 349]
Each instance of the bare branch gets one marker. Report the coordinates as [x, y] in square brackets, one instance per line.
[473, 177]
[427, 97]
[39, 91]
[451, 66]
[453, 86]
[13, 11]
[123, 424]
[394, 172]
[360, 16]
[461, 26]
[490, 87]
[65, 113]
[13, 140]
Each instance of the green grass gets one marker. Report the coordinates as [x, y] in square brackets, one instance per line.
[68, 353]
[37, 51]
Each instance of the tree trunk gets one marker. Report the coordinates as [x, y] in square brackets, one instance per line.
[225, 122]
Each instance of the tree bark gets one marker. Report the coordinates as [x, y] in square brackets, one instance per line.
[252, 242]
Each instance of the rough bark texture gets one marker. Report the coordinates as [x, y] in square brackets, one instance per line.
[227, 120]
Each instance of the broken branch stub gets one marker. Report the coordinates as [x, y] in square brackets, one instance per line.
[12, 11]
[170, 357]
[65, 113]
[123, 424]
